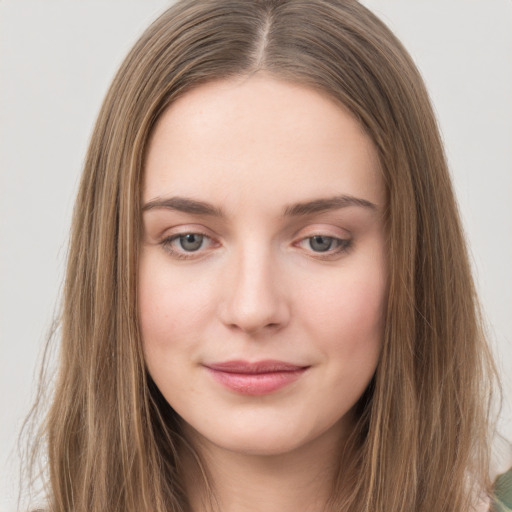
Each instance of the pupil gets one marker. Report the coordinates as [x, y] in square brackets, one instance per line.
[191, 242]
[320, 243]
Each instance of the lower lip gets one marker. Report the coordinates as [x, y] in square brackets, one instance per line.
[256, 384]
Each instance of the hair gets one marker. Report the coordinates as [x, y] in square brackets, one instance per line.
[422, 439]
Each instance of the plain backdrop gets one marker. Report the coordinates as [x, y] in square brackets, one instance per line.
[57, 58]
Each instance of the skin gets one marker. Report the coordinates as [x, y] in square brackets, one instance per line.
[258, 287]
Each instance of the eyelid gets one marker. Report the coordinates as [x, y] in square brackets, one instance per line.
[329, 230]
[185, 228]
[173, 234]
[343, 238]
[342, 245]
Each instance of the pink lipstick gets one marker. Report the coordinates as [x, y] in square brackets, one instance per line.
[258, 378]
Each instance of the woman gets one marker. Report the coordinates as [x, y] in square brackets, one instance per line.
[268, 301]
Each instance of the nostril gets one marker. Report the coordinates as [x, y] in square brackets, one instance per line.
[254, 328]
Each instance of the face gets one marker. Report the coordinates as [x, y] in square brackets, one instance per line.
[262, 279]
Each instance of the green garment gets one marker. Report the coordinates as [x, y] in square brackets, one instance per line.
[503, 493]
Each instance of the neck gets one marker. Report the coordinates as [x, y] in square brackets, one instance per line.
[301, 479]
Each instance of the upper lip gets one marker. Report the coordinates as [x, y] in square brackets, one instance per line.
[267, 366]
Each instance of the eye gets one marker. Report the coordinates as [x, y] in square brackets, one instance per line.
[321, 243]
[190, 242]
[187, 245]
[325, 246]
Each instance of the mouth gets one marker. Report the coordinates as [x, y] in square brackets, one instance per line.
[255, 378]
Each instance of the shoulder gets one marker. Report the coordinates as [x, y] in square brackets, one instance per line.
[501, 474]
[503, 493]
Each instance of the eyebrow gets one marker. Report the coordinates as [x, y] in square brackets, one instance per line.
[330, 203]
[184, 204]
[194, 207]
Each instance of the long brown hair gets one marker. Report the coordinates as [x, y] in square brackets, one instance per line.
[422, 440]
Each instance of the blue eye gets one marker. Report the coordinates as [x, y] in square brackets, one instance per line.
[324, 246]
[187, 245]
[190, 242]
[321, 243]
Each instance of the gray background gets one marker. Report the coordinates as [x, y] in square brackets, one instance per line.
[56, 61]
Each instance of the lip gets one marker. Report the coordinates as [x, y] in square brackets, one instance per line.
[255, 378]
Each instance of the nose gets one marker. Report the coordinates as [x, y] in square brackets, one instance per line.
[254, 298]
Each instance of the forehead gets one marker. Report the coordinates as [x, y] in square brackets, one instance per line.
[244, 139]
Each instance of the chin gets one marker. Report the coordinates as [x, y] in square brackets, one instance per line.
[265, 446]
[269, 438]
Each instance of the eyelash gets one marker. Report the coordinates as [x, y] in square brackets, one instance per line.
[342, 246]
[182, 254]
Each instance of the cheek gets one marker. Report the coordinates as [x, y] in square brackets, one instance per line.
[346, 315]
[171, 314]
[170, 309]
